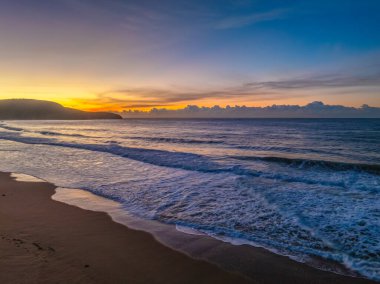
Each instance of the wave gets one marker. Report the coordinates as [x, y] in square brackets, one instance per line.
[51, 133]
[309, 164]
[47, 133]
[282, 149]
[187, 161]
[183, 160]
[175, 140]
[11, 128]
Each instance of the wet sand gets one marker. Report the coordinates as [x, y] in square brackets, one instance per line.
[46, 241]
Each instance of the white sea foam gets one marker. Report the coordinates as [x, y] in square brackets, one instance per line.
[188, 230]
[25, 178]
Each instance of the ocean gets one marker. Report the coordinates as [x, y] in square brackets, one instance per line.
[299, 187]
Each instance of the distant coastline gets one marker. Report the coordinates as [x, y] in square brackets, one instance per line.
[26, 109]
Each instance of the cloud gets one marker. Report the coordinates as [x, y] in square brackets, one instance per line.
[250, 19]
[311, 110]
[154, 97]
[366, 80]
[320, 81]
[133, 98]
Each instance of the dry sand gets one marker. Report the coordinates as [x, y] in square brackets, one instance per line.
[45, 241]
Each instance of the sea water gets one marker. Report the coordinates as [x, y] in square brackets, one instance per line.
[299, 187]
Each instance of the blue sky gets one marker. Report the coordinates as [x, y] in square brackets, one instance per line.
[115, 53]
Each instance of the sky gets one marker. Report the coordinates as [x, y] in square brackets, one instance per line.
[139, 54]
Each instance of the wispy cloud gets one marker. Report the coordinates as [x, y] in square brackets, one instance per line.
[153, 97]
[250, 19]
[320, 81]
[292, 87]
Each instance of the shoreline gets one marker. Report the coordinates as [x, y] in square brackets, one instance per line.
[45, 240]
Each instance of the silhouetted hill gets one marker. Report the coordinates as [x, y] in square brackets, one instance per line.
[20, 109]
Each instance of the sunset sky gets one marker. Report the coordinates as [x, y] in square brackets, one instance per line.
[139, 54]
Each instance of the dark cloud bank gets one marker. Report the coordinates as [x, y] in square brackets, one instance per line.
[312, 110]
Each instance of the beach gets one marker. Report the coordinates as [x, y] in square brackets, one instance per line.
[45, 241]
[177, 141]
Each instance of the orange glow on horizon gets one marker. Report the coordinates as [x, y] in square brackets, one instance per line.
[82, 98]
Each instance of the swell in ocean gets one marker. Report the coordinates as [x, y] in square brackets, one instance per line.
[279, 199]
